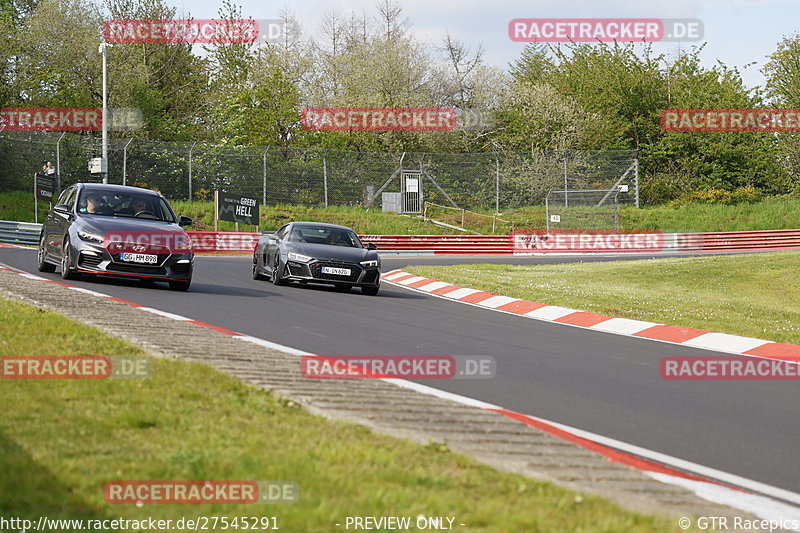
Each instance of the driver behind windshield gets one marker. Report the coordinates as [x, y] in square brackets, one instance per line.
[139, 206]
[95, 204]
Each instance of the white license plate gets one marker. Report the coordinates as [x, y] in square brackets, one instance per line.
[336, 271]
[139, 258]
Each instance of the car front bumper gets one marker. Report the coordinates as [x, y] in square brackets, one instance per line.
[95, 259]
[312, 272]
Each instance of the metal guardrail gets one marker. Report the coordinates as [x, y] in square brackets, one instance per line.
[27, 233]
[24, 233]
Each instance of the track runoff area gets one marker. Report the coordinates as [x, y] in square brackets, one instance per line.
[222, 286]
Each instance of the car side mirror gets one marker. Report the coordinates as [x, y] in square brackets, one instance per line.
[371, 246]
[185, 221]
[62, 208]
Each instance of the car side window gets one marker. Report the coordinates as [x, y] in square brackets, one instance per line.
[281, 233]
[71, 199]
[64, 195]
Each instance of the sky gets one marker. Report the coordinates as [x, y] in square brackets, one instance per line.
[737, 32]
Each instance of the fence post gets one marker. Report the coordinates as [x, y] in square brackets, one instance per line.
[325, 178]
[497, 186]
[566, 186]
[636, 176]
[190, 170]
[58, 162]
[264, 200]
[125, 161]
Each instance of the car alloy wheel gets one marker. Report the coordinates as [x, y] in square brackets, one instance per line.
[43, 265]
[66, 261]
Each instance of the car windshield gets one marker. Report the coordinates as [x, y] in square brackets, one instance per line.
[116, 204]
[324, 235]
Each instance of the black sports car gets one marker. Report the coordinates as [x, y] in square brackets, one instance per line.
[318, 253]
[112, 230]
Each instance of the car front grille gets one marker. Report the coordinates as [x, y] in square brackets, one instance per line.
[355, 271]
[298, 269]
[133, 268]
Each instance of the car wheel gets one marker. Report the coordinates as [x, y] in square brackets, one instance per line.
[180, 285]
[43, 265]
[66, 261]
[277, 272]
[370, 290]
[256, 274]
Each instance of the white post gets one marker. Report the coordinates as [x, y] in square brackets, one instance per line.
[58, 163]
[104, 165]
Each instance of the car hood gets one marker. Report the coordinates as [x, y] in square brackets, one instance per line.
[326, 252]
[155, 234]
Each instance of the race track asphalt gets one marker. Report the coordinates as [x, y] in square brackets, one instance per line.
[599, 382]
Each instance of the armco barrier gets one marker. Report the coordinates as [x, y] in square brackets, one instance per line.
[240, 242]
[26, 233]
[22, 233]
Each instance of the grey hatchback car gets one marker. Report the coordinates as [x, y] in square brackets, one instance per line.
[113, 230]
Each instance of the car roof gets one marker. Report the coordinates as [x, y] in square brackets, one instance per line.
[124, 189]
[320, 224]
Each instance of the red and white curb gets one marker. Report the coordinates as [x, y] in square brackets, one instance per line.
[762, 500]
[697, 338]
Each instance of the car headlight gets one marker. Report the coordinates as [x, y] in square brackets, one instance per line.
[370, 263]
[300, 258]
[86, 236]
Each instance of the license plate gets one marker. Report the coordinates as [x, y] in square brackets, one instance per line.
[336, 271]
[139, 258]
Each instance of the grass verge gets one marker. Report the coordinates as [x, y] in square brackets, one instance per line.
[768, 214]
[754, 295]
[60, 440]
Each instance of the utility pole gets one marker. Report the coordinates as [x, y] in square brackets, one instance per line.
[104, 163]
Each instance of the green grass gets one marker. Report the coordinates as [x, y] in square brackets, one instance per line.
[363, 221]
[768, 214]
[60, 440]
[754, 295]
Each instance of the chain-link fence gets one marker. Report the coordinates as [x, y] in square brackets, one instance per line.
[187, 170]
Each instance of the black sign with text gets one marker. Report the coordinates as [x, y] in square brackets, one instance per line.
[237, 208]
[45, 187]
